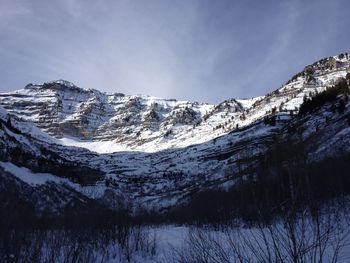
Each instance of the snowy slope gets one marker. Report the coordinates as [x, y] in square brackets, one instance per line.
[107, 123]
[159, 152]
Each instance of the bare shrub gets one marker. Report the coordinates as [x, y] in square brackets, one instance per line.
[75, 245]
[295, 238]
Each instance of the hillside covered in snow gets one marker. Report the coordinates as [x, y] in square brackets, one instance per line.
[107, 123]
[157, 153]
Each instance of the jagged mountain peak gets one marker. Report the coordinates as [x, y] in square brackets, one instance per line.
[323, 66]
[59, 85]
[159, 152]
[84, 117]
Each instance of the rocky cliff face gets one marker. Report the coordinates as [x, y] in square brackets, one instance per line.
[77, 115]
[159, 152]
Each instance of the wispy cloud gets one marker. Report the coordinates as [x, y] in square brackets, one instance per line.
[201, 50]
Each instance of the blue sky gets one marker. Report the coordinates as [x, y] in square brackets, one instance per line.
[185, 49]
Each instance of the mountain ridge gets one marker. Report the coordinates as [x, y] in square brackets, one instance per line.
[168, 175]
[145, 123]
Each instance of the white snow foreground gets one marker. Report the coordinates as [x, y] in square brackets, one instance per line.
[171, 244]
[252, 244]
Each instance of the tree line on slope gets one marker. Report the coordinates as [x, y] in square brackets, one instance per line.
[283, 181]
[329, 95]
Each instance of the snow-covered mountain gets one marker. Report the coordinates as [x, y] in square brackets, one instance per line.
[157, 152]
[107, 123]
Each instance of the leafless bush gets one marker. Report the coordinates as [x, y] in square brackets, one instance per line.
[295, 238]
[75, 245]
